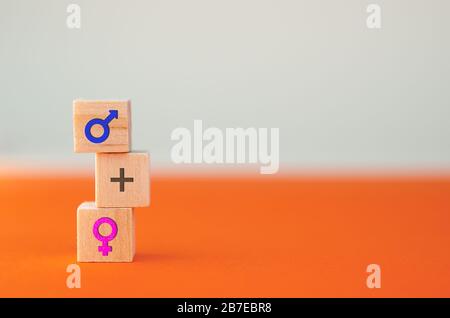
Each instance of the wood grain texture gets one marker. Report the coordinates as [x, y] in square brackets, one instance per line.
[110, 192]
[119, 139]
[122, 245]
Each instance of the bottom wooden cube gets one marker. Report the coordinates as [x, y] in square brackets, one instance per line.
[105, 234]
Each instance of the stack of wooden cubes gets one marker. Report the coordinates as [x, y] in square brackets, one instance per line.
[106, 227]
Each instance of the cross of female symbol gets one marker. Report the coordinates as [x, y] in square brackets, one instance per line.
[105, 248]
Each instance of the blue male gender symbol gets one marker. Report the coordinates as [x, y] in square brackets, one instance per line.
[102, 122]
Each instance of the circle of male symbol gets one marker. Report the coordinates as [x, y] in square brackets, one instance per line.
[105, 248]
[113, 114]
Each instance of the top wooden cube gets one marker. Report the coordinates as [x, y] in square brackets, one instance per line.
[102, 126]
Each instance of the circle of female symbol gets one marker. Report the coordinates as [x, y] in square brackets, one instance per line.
[113, 114]
[105, 248]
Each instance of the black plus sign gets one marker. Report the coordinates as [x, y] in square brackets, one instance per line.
[122, 179]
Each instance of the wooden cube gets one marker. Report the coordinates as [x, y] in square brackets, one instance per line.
[102, 126]
[122, 180]
[105, 235]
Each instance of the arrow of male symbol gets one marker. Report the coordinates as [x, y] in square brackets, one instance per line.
[113, 114]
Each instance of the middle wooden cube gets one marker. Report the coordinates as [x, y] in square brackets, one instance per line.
[122, 180]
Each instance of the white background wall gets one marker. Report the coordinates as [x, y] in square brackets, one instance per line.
[341, 94]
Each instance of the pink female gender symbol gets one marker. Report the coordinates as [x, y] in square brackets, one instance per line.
[105, 248]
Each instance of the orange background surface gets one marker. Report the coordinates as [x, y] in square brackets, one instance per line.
[237, 237]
